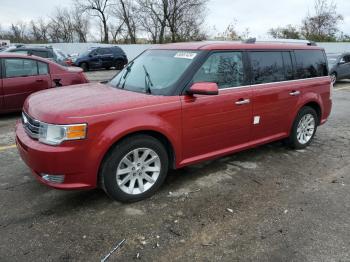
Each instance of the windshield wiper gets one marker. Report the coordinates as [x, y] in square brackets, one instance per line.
[148, 81]
[127, 71]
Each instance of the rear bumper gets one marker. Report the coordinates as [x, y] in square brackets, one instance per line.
[67, 160]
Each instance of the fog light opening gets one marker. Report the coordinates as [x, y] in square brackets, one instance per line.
[56, 179]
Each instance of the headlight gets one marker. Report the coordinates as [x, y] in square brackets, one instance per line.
[56, 134]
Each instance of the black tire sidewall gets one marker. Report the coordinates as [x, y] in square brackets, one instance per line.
[119, 64]
[293, 136]
[111, 163]
[84, 66]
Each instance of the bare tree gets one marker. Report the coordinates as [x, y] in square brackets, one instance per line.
[126, 11]
[153, 18]
[288, 32]
[184, 17]
[80, 24]
[116, 30]
[323, 25]
[100, 9]
[18, 32]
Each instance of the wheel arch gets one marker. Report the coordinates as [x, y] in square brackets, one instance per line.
[156, 134]
[314, 105]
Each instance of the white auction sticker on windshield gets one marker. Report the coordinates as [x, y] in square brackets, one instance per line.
[186, 55]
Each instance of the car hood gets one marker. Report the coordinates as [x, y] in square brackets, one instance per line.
[68, 104]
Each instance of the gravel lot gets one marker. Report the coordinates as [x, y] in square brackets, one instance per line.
[265, 204]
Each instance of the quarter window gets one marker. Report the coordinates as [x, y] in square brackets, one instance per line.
[267, 67]
[20, 67]
[43, 68]
[224, 68]
[310, 63]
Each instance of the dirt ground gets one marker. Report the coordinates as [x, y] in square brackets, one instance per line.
[265, 204]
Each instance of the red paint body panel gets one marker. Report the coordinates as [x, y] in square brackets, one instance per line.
[198, 127]
[14, 90]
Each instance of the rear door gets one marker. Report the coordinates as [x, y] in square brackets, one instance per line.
[216, 124]
[21, 77]
[107, 57]
[274, 97]
[95, 60]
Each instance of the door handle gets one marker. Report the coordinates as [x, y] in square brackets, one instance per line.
[40, 80]
[242, 101]
[294, 93]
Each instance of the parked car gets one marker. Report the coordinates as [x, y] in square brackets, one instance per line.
[49, 53]
[339, 66]
[102, 57]
[173, 106]
[22, 75]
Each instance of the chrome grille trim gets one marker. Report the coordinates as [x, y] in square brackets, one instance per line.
[31, 126]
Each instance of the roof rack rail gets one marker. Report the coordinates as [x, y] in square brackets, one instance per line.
[281, 41]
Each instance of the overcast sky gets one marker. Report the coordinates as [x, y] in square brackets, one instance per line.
[256, 15]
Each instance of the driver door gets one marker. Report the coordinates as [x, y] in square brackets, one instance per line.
[217, 124]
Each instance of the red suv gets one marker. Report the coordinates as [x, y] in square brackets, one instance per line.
[173, 106]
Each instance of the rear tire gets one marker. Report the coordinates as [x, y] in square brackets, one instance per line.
[304, 128]
[134, 169]
[84, 66]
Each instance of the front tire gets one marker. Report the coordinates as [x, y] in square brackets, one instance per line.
[119, 64]
[304, 128]
[84, 66]
[134, 169]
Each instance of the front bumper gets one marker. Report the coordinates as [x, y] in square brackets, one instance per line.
[69, 159]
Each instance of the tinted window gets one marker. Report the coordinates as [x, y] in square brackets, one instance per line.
[43, 68]
[310, 63]
[40, 53]
[105, 51]
[20, 67]
[347, 59]
[267, 67]
[288, 66]
[225, 69]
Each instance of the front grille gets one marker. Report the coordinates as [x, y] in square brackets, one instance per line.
[31, 126]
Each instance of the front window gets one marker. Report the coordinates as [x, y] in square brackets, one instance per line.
[155, 71]
[224, 68]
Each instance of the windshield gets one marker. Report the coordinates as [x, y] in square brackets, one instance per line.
[154, 71]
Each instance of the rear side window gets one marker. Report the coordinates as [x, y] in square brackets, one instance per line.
[310, 63]
[20, 67]
[267, 67]
[43, 68]
[224, 68]
[105, 51]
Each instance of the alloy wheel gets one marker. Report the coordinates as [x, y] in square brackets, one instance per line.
[138, 171]
[306, 128]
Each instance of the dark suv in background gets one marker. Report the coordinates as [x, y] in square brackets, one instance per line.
[339, 66]
[102, 57]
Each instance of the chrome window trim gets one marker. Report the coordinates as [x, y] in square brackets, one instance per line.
[279, 82]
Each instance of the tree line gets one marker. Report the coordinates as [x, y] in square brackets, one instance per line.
[158, 21]
[119, 21]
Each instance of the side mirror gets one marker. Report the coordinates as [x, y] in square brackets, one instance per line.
[204, 88]
[341, 62]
